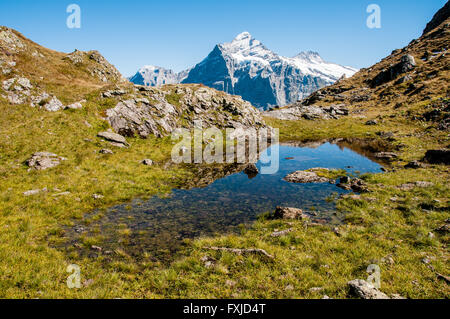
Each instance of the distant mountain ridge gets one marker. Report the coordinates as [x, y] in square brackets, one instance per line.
[247, 68]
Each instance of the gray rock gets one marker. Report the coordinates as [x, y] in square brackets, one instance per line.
[53, 105]
[281, 233]
[415, 165]
[106, 151]
[365, 290]
[147, 162]
[44, 160]
[34, 192]
[386, 155]
[289, 213]
[74, 106]
[305, 177]
[113, 137]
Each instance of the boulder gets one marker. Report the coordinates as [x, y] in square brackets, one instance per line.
[441, 156]
[357, 185]
[53, 105]
[289, 213]
[365, 290]
[406, 64]
[44, 160]
[74, 106]
[305, 177]
[113, 137]
[251, 170]
[147, 162]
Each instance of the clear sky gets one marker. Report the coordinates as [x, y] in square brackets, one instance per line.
[177, 34]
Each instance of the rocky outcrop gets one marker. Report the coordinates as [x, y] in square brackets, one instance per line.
[159, 112]
[438, 156]
[44, 160]
[309, 112]
[19, 90]
[96, 64]
[406, 64]
[113, 138]
[440, 16]
[365, 290]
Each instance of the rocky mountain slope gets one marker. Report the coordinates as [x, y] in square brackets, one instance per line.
[247, 68]
[150, 75]
[51, 81]
[411, 82]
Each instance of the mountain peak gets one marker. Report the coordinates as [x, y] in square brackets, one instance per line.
[309, 56]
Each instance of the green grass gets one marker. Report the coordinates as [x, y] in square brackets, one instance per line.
[310, 256]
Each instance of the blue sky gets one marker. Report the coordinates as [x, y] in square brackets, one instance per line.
[178, 34]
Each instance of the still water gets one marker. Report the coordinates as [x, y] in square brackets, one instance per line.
[159, 225]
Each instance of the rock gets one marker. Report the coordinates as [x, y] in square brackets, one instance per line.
[74, 106]
[441, 156]
[97, 248]
[356, 184]
[147, 162]
[444, 229]
[315, 289]
[106, 151]
[410, 186]
[113, 137]
[415, 165]
[365, 290]
[282, 232]
[156, 112]
[371, 122]
[406, 64]
[424, 184]
[305, 177]
[386, 155]
[34, 192]
[97, 196]
[403, 79]
[53, 105]
[299, 111]
[289, 213]
[44, 160]
[208, 261]
[251, 170]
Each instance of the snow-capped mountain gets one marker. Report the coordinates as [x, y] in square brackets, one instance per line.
[150, 75]
[247, 68]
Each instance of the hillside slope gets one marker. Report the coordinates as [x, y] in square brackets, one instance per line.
[411, 82]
